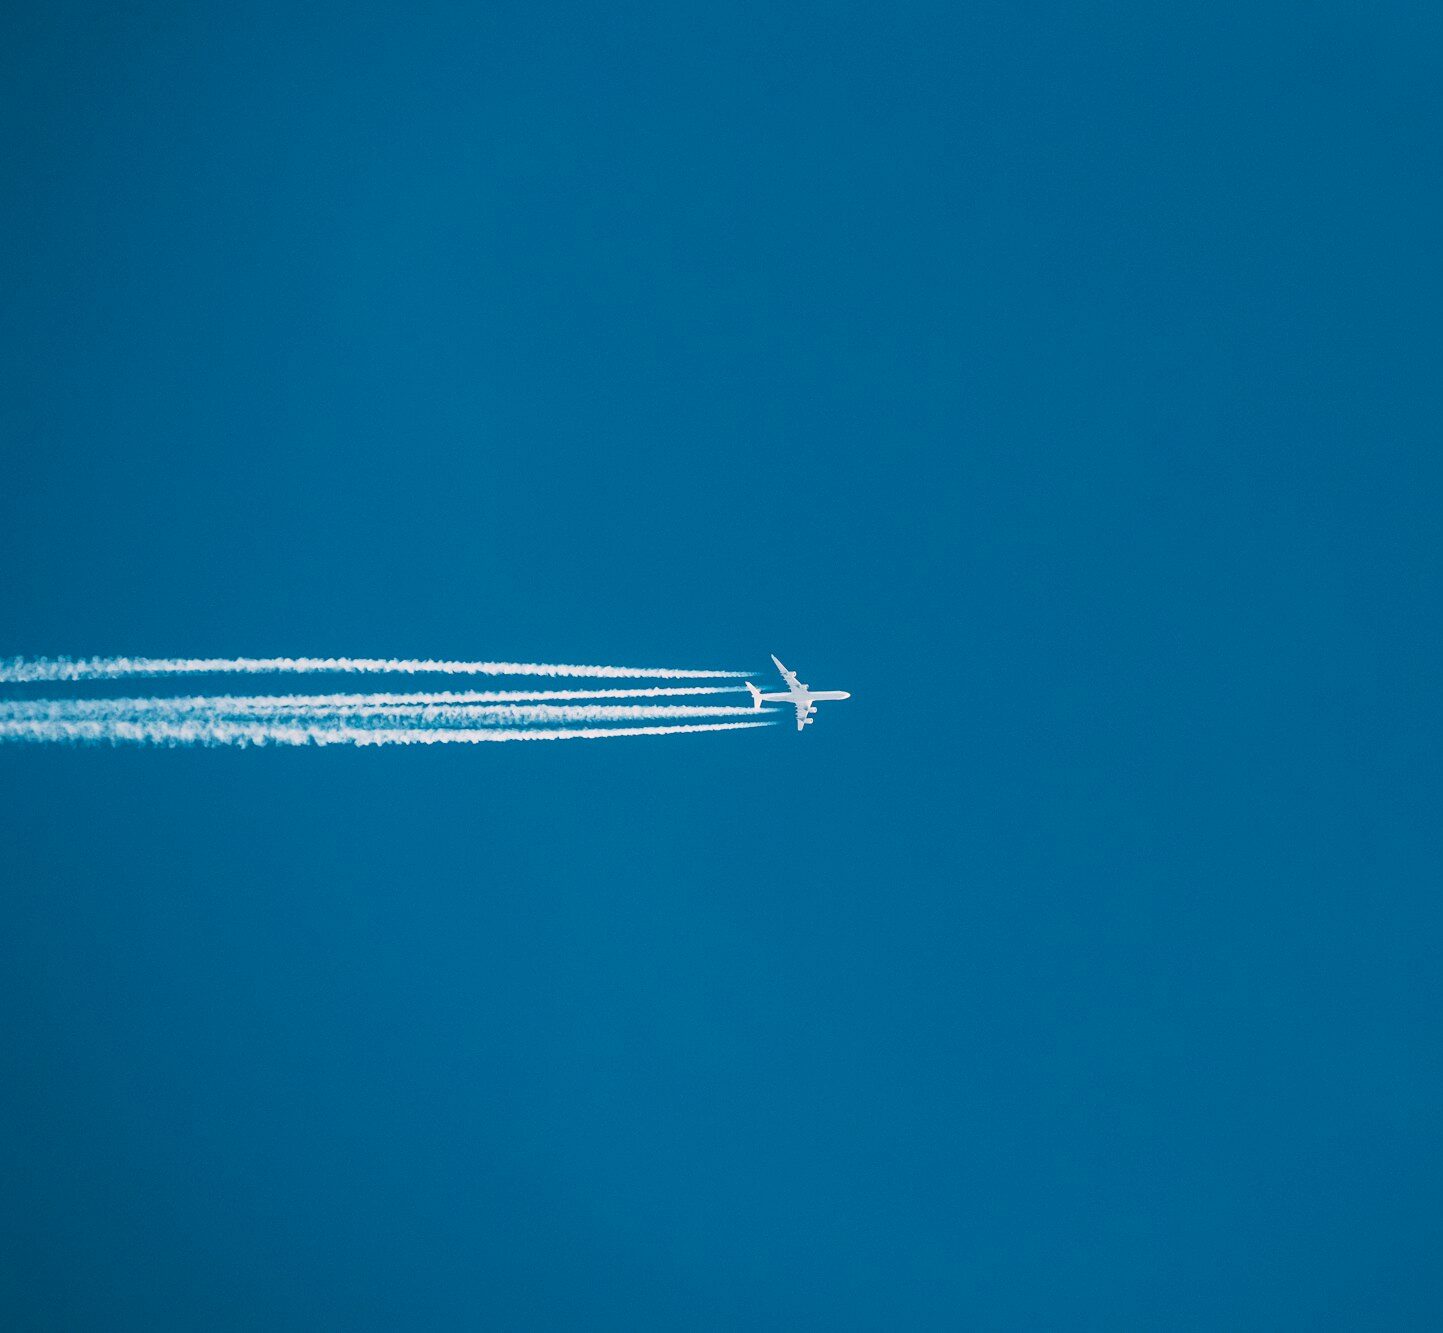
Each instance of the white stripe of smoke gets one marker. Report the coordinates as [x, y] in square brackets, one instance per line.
[363, 712]
[527, 714]
[19, 669]
[497, 696]
[267, 702]
[190, 732]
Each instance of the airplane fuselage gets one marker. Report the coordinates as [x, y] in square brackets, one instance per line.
[798, 694]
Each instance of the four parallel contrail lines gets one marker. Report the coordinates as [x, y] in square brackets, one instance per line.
[371, 718]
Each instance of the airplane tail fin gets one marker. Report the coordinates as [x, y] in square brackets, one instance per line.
[756, 695]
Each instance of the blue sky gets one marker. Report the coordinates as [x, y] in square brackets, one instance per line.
[1062, 382]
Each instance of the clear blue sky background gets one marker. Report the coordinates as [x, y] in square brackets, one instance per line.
[1062, 381]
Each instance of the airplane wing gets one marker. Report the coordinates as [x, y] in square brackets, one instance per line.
[804, 710]
[789, 676]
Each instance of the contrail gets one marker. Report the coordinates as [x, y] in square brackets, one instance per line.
[355, 718]
[18, 669]
[497, 696]
[280, 708]
[261, 702]
[213, 733]
[510, 714]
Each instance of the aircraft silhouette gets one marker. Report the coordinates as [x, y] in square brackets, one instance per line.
[803, 699]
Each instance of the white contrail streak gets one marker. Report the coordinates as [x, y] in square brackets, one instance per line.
[19, 669]
[212, 733]
[277, 708]
[522, 714]
[493, 696]
[264, 702]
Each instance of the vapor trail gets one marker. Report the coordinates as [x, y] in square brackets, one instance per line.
[261, 702]
[500, 696]
[279, 708]
[174, 732]
[512, 714]
[19, 669]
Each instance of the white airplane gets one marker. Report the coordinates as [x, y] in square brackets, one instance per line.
[801, 698]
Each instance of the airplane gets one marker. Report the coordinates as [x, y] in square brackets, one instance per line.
[801, 698]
